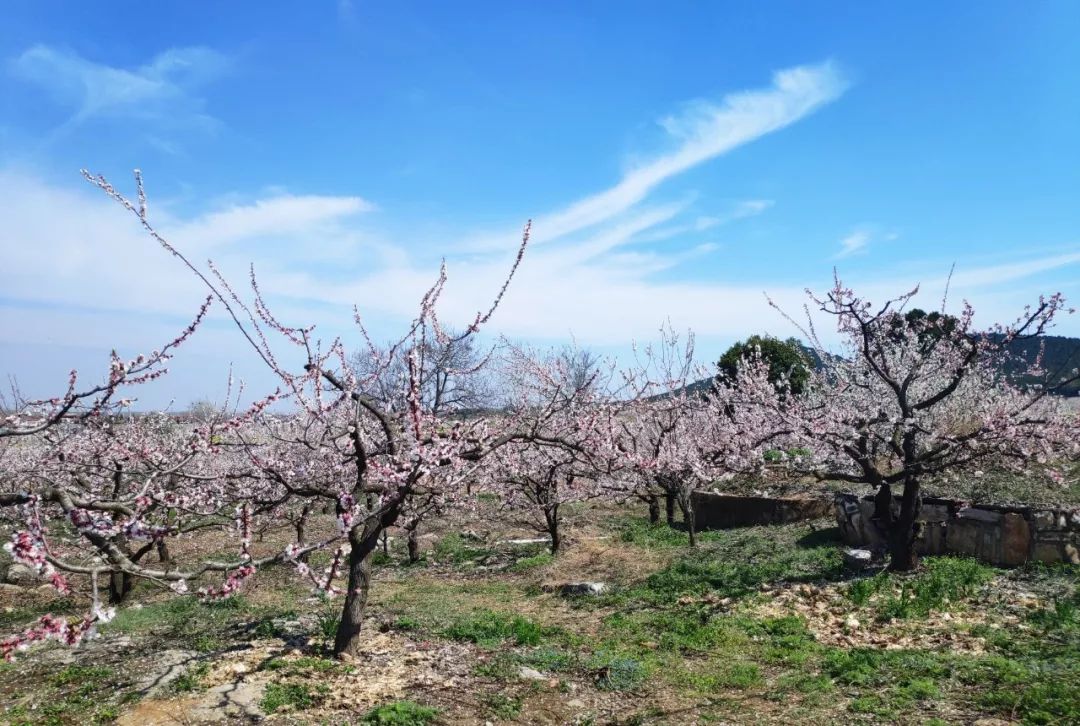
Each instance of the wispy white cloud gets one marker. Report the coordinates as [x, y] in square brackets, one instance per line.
[282, 215]
[703, 130]
[75, 251]
[579, 275]
[854, 243]
[72, 247]
[164, 90]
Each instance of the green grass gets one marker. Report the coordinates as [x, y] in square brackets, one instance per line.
[502, 706]
[400, 713]
[640, 532]
[296, 696]
[455, 550]
[202, 626]
[77, 693]
[1062, 616]
[690, 629]
[87, 676]
[531, 563]
[734, 563]
[191, 679]
[327, 623]
[615, 671]
[22, 616]
[490, 628]
[943, 582]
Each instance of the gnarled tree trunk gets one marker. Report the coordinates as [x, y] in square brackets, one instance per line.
[551, 518]
[412, 541]
[654, 508]
[904, 531]
[363, 540]
[686, 504]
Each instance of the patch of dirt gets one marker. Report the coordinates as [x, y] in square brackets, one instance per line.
[834, 620]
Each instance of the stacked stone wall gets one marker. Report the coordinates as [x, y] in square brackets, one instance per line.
[722, 511]
[999, 535]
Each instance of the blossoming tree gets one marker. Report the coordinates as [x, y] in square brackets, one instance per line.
[366, 455]
[561, 407]
[675, 437]
[914, 397]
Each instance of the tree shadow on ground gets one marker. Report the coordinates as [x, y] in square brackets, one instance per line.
[820, 537]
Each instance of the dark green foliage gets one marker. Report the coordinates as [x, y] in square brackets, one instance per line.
[400, 713]
[929, 327]
[191, 679]
[328, 621]
[945, 580]
[786, 359]
[529, 563]
[453, 549]
[490, 628]
[278, 695]
[81, 674]
[617, 672]
[502, 706]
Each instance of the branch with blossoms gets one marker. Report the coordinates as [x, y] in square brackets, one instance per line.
[27, 417]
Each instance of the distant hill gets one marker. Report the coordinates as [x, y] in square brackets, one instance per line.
[1060, 356]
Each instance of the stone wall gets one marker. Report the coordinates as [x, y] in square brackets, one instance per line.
[1000, 535]
[720, 511]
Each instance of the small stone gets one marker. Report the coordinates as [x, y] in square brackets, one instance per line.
[20, 574]
[851, 623]
[571, 589]
[531, 674]
[855, 559]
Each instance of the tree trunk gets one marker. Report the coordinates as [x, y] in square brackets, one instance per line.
[550, 503]
[412, 541]
[163, 553]
[363, 541]
[654, 508]
[669, 509]
[551, 517]
[902, 537]
[119, 586]
[301, 532]
[689, 519]
[120, 582]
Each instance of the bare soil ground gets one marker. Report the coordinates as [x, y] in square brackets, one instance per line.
[756, 625]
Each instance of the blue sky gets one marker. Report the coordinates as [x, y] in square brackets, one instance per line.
[678, 159]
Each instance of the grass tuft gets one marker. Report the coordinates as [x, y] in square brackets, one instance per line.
[400, 713]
